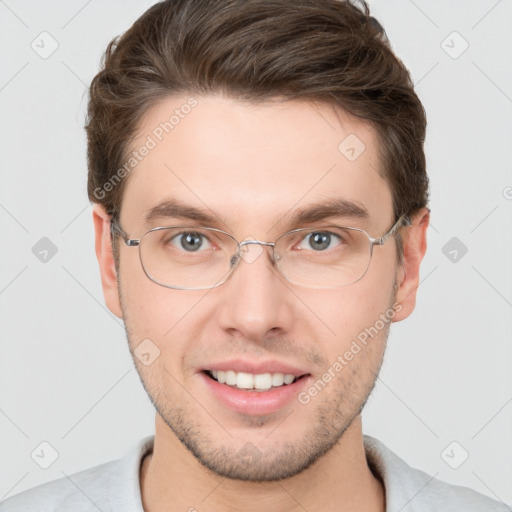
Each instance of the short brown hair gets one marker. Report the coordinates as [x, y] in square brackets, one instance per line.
[330, 51]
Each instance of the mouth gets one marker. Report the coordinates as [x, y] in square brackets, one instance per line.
[254, 388]
[260, 382]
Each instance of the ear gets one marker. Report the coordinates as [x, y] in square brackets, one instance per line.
[103, 244]
[414, 240]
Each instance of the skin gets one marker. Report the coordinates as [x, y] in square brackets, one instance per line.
[253, 165]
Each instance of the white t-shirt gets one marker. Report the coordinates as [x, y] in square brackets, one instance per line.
[115, 487]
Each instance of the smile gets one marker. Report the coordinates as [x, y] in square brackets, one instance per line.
[248, 381]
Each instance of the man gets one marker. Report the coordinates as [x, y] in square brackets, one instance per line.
[260, 210]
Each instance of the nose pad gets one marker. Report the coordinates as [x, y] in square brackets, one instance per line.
[233, 262]
[252, 254]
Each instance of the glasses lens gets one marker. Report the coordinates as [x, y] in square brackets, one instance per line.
[329, 257]
[187, 257]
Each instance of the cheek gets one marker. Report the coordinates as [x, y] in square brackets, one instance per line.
[170, 319]
[349, 311]
[356, 321]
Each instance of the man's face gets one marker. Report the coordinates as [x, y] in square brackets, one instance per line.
[253, 167]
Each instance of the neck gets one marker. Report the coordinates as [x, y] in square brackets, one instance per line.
[172, 479]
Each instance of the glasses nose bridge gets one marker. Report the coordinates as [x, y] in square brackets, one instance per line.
[250, 241]
[256, 242]
[250, 258]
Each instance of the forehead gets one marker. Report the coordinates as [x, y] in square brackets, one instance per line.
[253, 165]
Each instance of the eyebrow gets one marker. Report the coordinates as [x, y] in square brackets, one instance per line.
[180, 210]
[329, 208]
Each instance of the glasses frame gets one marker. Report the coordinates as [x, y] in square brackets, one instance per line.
[116, 229]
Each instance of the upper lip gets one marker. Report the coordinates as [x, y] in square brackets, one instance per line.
[257, 367]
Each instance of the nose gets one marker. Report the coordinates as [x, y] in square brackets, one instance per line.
[256, 301]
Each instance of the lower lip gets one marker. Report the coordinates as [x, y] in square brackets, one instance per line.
[255, 402]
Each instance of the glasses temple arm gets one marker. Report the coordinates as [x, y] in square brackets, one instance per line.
[117, 230]
[404, 220]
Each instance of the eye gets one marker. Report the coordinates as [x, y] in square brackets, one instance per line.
[320, 241]
[190, 241]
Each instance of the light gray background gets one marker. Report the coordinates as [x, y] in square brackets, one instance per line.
[66, 376]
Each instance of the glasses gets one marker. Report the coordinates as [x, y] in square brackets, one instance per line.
[200, 258]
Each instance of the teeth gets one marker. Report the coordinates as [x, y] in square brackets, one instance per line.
[263, 381]
[288, 379]
[231, 378]
[277, 379]
[242, 380]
